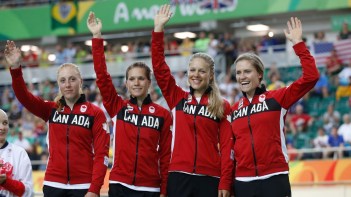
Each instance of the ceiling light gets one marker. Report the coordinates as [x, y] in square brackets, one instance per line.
[124, 48]
[183, 35]
[52, 57]
[257, 27]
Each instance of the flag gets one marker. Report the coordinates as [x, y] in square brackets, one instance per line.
[64, 15]
[322, 51]
[343, 49]
[217, 4]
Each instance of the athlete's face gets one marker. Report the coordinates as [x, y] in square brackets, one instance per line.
[4, 126]
[137, 82]
[70, 83]
[247, 77]
[199, 75]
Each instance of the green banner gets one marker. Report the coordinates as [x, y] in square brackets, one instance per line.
[119, 15]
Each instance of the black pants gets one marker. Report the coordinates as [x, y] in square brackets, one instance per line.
[275, 186]
[57, 192]
[118, 190]
[186, 185]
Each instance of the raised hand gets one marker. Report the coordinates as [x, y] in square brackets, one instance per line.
[294, 32]
[162, 17]
[94, 25]
[12, 54]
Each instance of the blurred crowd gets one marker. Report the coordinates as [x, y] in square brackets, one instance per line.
[318, 121]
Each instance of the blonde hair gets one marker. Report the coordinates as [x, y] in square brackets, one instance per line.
[215, 101]
[59, 104]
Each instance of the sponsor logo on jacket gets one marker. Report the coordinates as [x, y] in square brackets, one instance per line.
[82, 120]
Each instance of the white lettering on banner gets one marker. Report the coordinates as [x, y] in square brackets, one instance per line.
[144, 13]
[121, 12]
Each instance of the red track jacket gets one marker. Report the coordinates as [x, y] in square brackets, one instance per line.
[196, 132]
[258, 126]
[142, 143]
[78, 139]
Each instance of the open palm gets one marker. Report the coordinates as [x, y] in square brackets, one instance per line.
[94, 24]
[294, 32]
[12, 54]
[162, 16]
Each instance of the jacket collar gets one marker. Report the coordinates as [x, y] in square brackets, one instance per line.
[134, 100]
[259, 90]
[80, 100]
[5, 145]
[207, 91]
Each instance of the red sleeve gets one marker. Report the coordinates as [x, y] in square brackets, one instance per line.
[101, 143]
[14, 186]
[164, 78]
[112, 102]
[165, 151]
[227, 153]
[306, 82]
[27, 99]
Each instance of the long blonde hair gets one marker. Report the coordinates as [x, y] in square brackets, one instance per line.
[59, 104]
[215, 101]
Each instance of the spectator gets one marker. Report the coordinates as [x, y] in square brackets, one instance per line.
[321, 89]
[335, 141]
[275, 82]
[333, 63]
[345, 33]
[345, 131]
[44, 58]
[23, 142]
[201, 43]
[212, 49]
[186, 47]
[344, 82]
[70, 52]
[319, 36]
[320, 144]
[300, 121]
[30, 59]
[330, 118]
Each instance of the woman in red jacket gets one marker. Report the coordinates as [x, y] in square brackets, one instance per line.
[142, 135]
[201, 162]
[258, 122]
[78, 137]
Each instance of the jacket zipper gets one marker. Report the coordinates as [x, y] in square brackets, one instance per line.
[252, 143]
[195, 137]
[137, 151]
[67, 148]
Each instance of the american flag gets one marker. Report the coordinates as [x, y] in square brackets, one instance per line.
[322, 51]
